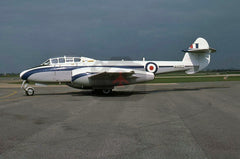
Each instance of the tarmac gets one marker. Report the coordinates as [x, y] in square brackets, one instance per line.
[187, 120]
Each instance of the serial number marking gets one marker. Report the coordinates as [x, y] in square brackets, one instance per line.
[179, 66]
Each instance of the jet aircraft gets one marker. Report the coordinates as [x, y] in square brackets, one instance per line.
[103, 76]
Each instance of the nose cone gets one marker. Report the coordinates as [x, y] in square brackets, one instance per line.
[23, 75]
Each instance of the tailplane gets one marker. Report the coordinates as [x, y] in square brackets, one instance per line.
[197, 56]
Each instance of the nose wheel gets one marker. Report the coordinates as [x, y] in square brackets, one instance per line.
[29, 91]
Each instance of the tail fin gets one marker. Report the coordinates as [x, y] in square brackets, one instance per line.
[197, 57]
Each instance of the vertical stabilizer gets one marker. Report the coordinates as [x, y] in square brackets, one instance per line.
[197, 57]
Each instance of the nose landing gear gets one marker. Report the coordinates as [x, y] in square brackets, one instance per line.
[29, 91]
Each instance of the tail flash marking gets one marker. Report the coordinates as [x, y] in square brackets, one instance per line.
[196, 45]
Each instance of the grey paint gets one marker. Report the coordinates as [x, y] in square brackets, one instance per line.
[189, 120]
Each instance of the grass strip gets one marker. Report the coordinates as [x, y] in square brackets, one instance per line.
[194, 79]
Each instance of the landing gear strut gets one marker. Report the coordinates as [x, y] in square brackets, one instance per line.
[29, 91]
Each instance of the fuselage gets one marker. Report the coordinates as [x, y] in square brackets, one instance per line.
[63, 72]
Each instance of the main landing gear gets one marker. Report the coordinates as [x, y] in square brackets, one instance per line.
[106, 91]
[29, 91]
[103, 91]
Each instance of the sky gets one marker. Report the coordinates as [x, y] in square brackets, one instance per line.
[31, 31]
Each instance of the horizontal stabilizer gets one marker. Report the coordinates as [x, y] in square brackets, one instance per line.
[210, 50]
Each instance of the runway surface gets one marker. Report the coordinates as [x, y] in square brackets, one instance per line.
[188, 120]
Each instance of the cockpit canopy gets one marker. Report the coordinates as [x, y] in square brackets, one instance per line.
[66, 60]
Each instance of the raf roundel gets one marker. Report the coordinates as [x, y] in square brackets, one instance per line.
[151, 67]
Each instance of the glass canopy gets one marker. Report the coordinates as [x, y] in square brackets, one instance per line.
[61, 60]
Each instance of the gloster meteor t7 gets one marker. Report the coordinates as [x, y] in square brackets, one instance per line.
[103, 76]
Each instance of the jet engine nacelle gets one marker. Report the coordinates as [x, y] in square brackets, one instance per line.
[99, 77]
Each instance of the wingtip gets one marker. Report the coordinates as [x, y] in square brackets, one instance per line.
[212, 50]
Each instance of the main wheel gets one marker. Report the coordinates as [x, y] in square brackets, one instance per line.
[29, 91]
[106, 91]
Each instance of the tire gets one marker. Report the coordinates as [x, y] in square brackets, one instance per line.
[106, 91]
[102, 91]
[29, 91]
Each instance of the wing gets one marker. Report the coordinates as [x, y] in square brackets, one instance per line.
[109, 76]
[116, 77]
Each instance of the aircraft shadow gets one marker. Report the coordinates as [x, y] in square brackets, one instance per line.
[117, 93]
